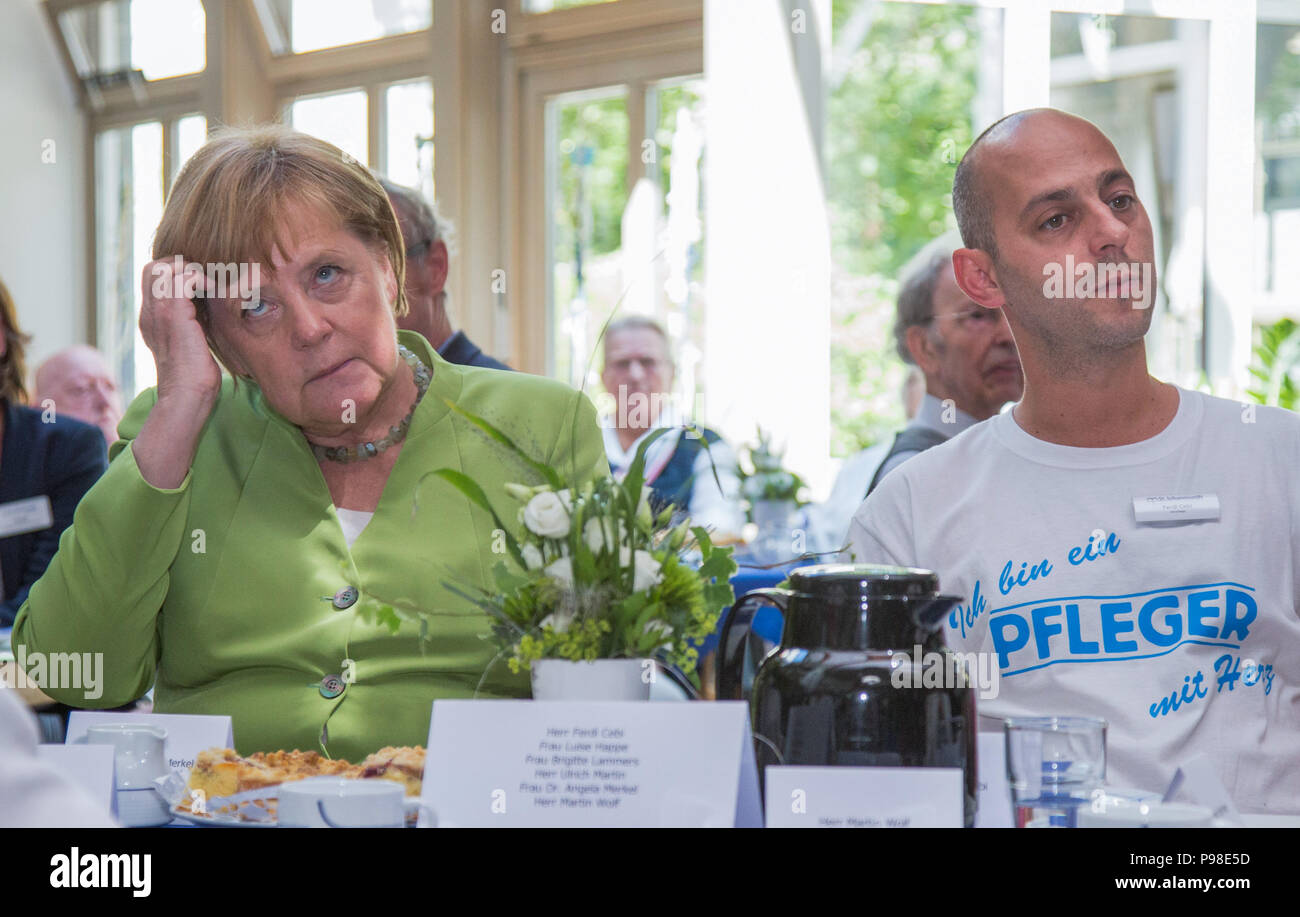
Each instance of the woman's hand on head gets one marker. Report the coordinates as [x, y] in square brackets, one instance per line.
[189, 379]
[187, 371]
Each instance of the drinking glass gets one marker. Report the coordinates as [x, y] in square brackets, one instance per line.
[1056, 765]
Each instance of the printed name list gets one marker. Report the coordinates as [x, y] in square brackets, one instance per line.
[581, 767]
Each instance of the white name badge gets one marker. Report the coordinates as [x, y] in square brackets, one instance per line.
[1194, 508]
[864, 797]
[22, 516]
[187, 734]
[994, 789]
[524, 763]
[90, 767]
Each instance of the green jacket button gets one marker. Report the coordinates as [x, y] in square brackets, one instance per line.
[331, 686]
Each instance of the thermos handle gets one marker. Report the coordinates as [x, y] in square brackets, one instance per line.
[734, 641]
[929, 617]
[677, 677]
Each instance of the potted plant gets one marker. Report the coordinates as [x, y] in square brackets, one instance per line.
[596, 587]
[773, 494]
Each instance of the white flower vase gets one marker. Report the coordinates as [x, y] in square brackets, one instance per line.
[773, 541]
[602, 679]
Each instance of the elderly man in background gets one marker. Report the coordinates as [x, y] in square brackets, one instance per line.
[965, 352]
[680, 465]
[426, 279]
[967, 360]
[79, 384]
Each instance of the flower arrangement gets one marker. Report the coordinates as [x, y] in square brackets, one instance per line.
[596, 572]
[765, 479]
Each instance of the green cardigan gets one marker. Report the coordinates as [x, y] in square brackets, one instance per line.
[225, 586]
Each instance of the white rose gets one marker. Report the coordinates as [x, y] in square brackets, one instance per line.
[561, 570]
[645, 571]
[532, 557]
[547, 516]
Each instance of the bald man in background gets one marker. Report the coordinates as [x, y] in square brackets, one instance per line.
[78, 382]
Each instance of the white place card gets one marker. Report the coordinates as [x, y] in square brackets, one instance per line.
[523, 763]
[90, 767]
[187, 734]
[864, 797]
[994, 788]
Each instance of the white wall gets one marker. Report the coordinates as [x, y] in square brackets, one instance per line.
[42, 204]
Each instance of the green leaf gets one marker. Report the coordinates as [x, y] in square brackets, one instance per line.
[549, 474]
[470, 488]
[508, 580]
[636, 471]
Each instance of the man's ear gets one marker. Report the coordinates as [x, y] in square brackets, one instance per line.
[922, 349]
[436, 262]
[977, 277]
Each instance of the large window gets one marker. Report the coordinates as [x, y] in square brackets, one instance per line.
[1277, 225]
[131, 172]
[397, 117]
[337, 117]
[907, 83]
[623, 245]
[113, 40]
[297, 26]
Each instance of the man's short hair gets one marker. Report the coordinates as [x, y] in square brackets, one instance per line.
[972, 206]
[636, 323]
[429, 225]
[916, 289]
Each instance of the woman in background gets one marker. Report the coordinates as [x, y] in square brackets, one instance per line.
[47, 463]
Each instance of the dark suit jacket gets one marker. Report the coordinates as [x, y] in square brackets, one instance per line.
[60, 460]
[462, 351]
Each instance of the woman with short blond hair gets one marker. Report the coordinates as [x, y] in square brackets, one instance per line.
[242, 529]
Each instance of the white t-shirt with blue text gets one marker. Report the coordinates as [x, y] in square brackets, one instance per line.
[1183, 635]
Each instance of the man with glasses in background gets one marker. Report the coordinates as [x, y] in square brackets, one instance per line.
[965, 352]
[970, 368]
[426, 279]
[694, 472]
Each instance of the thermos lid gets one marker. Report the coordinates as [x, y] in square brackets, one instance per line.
[867, 581]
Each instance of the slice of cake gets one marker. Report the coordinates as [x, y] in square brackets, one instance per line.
[403, 765]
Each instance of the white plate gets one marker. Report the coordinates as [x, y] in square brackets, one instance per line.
[218, 821]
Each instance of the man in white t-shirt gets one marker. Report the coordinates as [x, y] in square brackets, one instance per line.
[1127, 549]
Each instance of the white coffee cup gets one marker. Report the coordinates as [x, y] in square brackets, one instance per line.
[139, 759]
[138, 752]
[337, 802]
